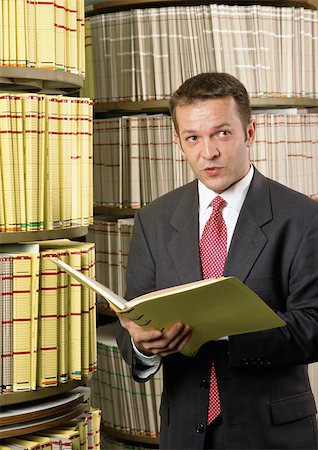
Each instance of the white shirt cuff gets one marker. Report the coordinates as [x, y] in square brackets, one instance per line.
[152, 361]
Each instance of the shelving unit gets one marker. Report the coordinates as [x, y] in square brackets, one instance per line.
[46, 407]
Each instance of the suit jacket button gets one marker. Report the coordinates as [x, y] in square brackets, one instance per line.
[204, 384]
[199, 428]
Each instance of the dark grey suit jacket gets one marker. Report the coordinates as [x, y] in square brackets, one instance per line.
[265, 394]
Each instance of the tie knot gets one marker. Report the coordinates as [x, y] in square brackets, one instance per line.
[218, 203]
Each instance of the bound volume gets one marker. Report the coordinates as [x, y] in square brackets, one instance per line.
[213, 308]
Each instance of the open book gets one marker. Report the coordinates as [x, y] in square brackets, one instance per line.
[213, 308]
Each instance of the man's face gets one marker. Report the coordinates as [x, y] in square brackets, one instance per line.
[213, 140]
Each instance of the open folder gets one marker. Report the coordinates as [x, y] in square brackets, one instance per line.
[213, 308]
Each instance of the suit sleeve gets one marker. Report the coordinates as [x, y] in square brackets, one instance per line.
[297, 342]
[140, 280]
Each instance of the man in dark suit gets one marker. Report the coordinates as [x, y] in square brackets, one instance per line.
[265, 397]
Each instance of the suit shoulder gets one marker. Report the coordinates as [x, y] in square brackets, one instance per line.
[286, 197]
[168, 202]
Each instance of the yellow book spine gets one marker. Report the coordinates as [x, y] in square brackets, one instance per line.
[7, 164]
[12, 36]
[5, 33]
[65, 159]
[31, 33]
[6, 325]
[41, 176]
[63, 321]
[76, 161]
[71, 36]
[21, 36]
[74, 258]
[31, 162]
[85, 145]
[19, 163]
[52, 162]
[60, 33]
[45, 31]
[80, 21]
[85, 312]
[48, 345]
[22, 312]
[35, 277]
[92, 313]
[88, 85]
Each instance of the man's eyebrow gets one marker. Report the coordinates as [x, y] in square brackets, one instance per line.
[216, 127]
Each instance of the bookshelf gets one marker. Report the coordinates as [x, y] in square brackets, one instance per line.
[32, 77]
[114, 100]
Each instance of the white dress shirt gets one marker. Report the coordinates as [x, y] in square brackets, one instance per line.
[234, 197]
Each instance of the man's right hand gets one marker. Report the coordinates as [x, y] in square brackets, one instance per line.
[155, 342]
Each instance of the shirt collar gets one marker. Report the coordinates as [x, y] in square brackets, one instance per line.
[234, 195]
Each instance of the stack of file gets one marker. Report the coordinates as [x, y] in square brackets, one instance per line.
[112, 241]
[48, 320]
[285, 149]
[45, 35]
[145, 54]
[136, 159]
[45, 162]
[80, 433]
[127, 406]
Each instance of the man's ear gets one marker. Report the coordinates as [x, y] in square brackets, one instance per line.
[250, 133]
[176, 138]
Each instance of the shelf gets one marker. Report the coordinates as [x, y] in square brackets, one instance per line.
[120, 435]
[40, 394]
[30, 236]
[36, 415]
[153, 106]
[120, 5]
[36, 409]
[29, 79]
[113, 211]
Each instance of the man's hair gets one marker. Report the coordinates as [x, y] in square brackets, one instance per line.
[212, 85]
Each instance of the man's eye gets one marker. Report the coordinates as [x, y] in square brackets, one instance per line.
[224, 133]
[191, 139]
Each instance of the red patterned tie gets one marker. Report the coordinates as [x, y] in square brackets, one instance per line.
[213, 256]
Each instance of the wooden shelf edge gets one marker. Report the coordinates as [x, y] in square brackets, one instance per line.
[52, 422]
[38, 80]
[111, 432]
[114, 211]
[163, 105]
[120, 5]
[40, 393]
[77, 396]
[30, 236]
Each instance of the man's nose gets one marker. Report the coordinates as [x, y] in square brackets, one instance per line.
[209, 149]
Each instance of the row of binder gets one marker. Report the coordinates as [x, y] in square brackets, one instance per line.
[127, 406]
[145, 54]
[80, 433]
[48, 333]
[136, 159]
[112, 241]
[45, 35]
[46, 162]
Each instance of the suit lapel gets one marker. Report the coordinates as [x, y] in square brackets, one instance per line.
[249, 239]
[183, 244]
